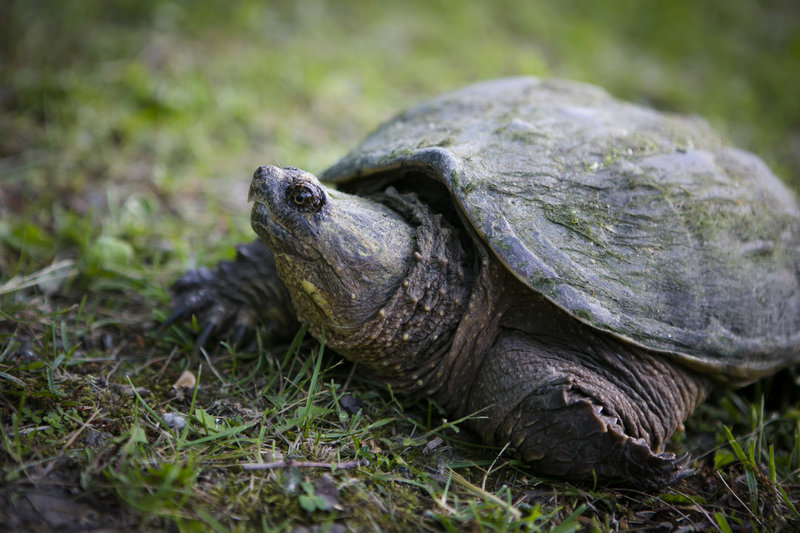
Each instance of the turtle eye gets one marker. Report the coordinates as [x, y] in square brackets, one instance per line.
[305, 197]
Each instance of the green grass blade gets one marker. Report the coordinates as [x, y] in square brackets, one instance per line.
[722, 522]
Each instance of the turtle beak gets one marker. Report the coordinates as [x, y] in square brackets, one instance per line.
[259, 186]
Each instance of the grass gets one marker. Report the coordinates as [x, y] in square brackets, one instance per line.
[129, 133]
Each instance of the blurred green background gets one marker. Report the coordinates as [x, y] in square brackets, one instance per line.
[129, 110]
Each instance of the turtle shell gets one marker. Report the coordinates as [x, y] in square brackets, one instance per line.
[636, 222]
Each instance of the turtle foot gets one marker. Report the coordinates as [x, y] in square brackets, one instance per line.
[234, 298]
[584, 443]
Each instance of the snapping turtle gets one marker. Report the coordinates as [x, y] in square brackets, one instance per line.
[578, 271]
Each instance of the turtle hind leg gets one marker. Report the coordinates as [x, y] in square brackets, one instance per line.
[566, 434]
[585, 407]
[234, 298]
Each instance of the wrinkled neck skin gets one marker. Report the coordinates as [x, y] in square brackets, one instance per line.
[402, 328]
[384, 280]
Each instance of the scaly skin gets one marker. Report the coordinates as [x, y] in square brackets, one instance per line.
[589, 405]
[391, 286]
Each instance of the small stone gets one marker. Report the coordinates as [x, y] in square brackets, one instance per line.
[95, 438]
[350, 404]
[174, 420]
[130, 391]
[432, 445]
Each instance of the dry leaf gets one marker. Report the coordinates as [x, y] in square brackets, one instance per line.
[185, 381]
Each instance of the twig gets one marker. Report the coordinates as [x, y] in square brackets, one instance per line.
[304, 464]
[744, 505]
[486, 476]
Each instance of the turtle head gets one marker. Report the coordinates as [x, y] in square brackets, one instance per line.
[341, 256]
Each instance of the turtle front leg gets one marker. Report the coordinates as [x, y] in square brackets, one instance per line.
[586, 409]
[235, 297]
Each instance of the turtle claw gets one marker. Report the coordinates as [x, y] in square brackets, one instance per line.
[190, 295]
[206, 333]
[681, 461]
[172, 318]
[210, 296]
[241, 333]
[676, 468]
[233, 299]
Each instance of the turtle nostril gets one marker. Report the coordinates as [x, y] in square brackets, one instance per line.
[261, 172]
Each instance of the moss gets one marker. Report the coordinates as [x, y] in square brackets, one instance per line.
[401, 153]
[583, 314]
[571, 219]
[447, 141]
